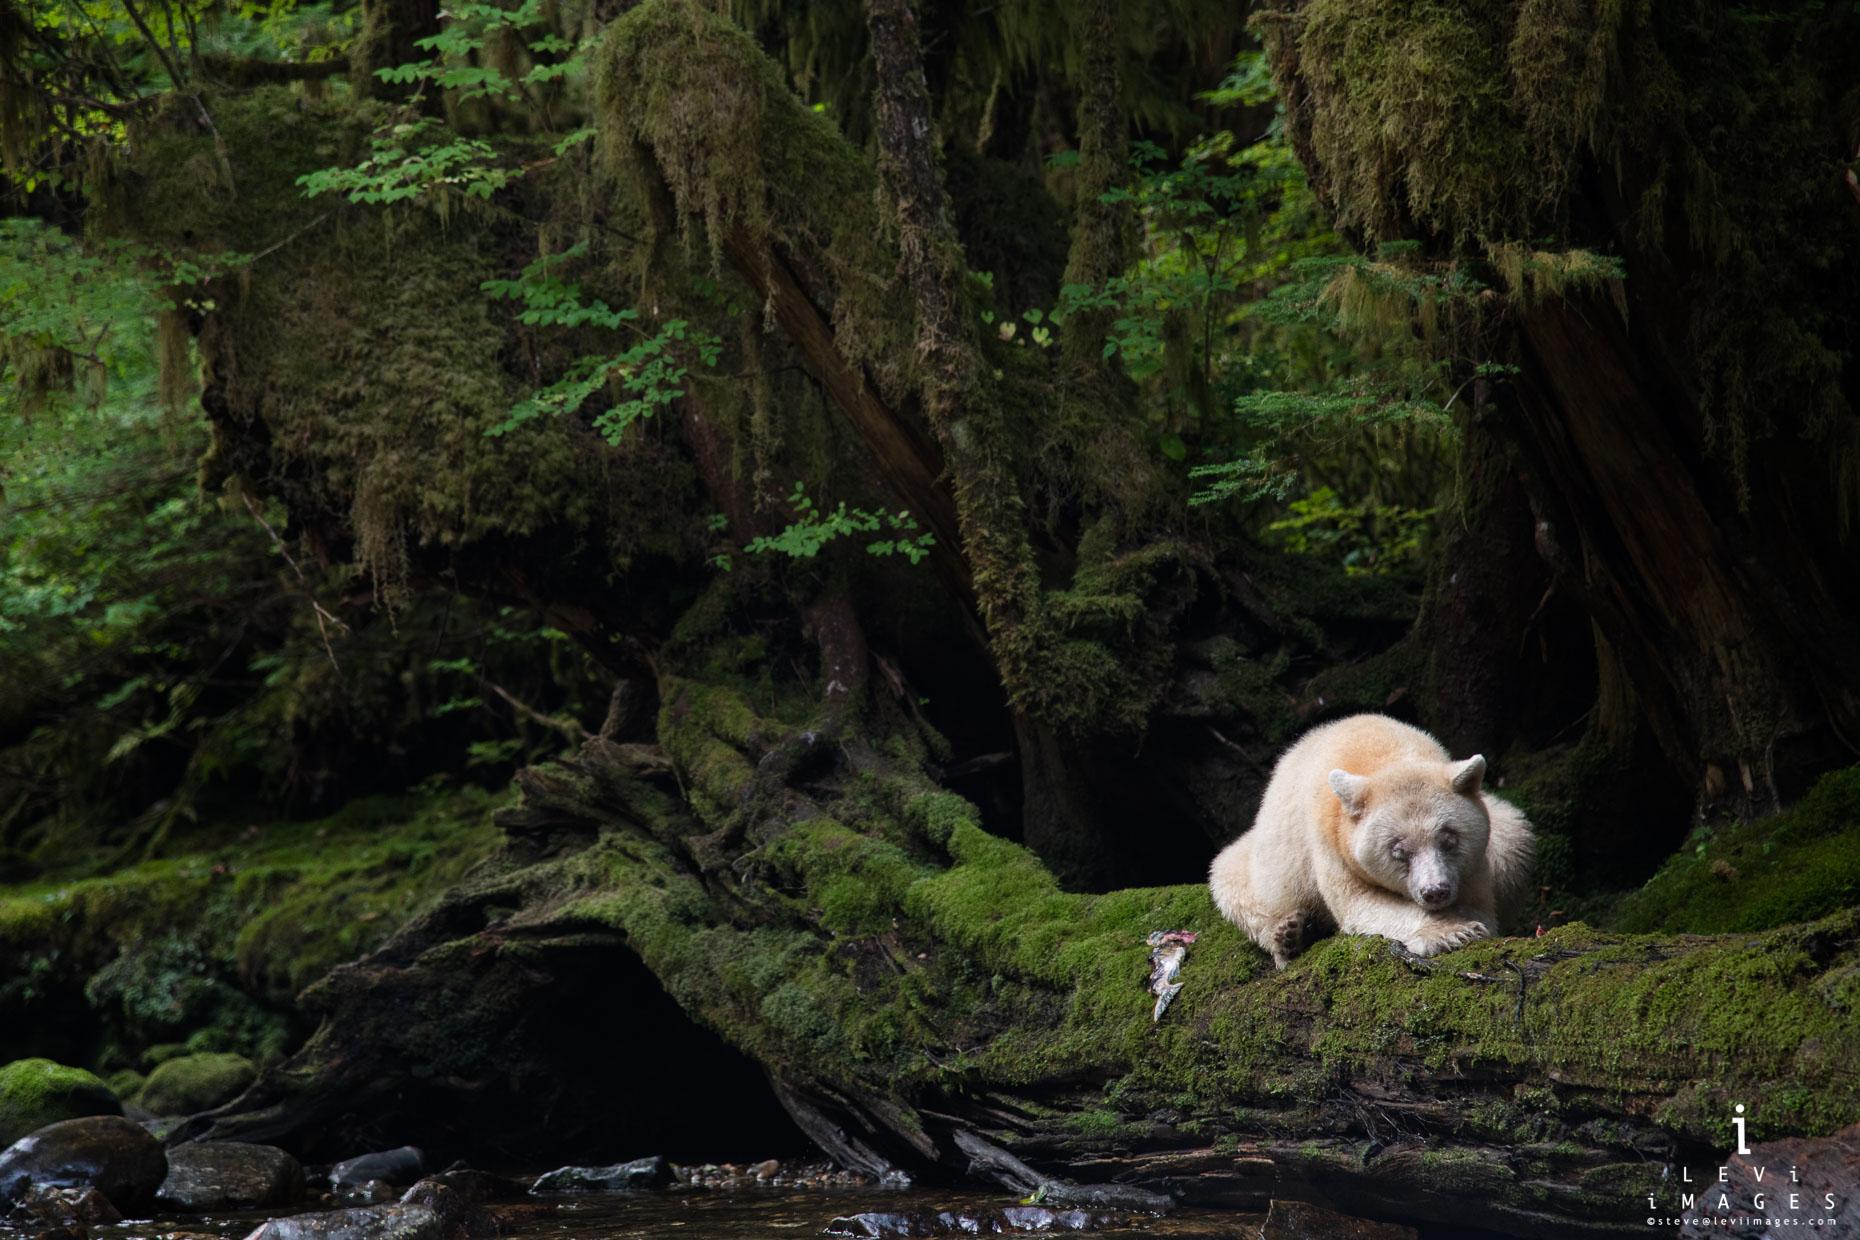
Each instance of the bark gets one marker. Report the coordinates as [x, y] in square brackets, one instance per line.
[1727, 652]
[1539, 1087]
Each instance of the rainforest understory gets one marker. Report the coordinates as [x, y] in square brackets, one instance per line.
[568, 563]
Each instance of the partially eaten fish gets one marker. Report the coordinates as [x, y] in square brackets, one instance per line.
[1168, 952]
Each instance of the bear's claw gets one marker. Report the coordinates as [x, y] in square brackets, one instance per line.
[1288, 938]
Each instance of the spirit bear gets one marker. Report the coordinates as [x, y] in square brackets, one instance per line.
[1369, 828]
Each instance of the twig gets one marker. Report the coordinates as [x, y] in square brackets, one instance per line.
[568, 727]
[174, 70]
[1517, 1021]
[321, 615]
[280, 245]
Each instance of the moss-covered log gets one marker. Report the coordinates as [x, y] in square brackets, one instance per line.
[902, 977]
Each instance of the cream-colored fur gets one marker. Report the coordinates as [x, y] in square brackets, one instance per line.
[1367, 827]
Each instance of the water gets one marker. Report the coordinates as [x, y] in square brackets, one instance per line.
[752, 1214]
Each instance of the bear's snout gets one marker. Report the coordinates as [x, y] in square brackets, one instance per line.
[1436, 894]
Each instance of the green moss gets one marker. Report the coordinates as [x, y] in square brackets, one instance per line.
[1486, 127]
[1795, 866]
[691, 93]
[37, 1092]
[194, 1083]
[211, 948]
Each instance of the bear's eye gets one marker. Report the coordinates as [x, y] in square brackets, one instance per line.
[1399, 850]
[1449, 838]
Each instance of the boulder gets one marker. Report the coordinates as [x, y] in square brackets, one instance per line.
[230, 1175]
[111, 1154]
[191, 1084]
[385, 1222]
[398, 1167]
[462, 1216]
[37, 1092]
[641, 1173]
[1792, 1187]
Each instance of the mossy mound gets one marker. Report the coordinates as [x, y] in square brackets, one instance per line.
[37, 1092]
[195, 1083]
[207, 952]
[1798, 865]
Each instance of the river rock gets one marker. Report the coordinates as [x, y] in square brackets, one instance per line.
[76, 1208]
[461, 1217]
[37, 1092]
[1782, 1188]
[399, 1167]
[111, 1154]
[389, 1222]
[1004, 1221]
[195, 1083]
[641, 1173]
[1300, 1220]
[230, 1175]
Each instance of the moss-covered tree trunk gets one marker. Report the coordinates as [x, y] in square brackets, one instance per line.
[1680, 407]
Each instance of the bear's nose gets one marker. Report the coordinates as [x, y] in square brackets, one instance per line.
[1436, 895]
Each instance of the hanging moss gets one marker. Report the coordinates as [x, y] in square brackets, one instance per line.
[1700, 143]
[359, 351]
[691, 92]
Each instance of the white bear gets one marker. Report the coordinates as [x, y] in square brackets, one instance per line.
[1369, 828]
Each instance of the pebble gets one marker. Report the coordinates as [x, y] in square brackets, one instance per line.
[770, 1173]
[974, 1222]
[75, 1208]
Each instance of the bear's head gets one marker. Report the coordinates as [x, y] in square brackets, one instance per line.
[1417, 827]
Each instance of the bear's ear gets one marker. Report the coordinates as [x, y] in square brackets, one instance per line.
[1466, 776]
[1350, 789]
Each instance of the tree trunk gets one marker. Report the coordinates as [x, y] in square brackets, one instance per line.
[1682, 415]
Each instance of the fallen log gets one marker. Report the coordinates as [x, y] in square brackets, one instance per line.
[918, 990]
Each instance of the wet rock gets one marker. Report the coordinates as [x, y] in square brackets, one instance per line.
[1798, 1187]
[230, 1175]
[106, 1152]
[76, 1208]
[641, 1173]
[63, 1233]
[389, 1222]
[461, 1216]
[194, 1083]
[367, 1193]
[729, 1176]
[37, 1092]
[1299, 1220]
[1009, 1220]
[398, 1167]
[480, 1186]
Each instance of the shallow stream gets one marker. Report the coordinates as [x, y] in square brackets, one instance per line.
[744, 1214]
